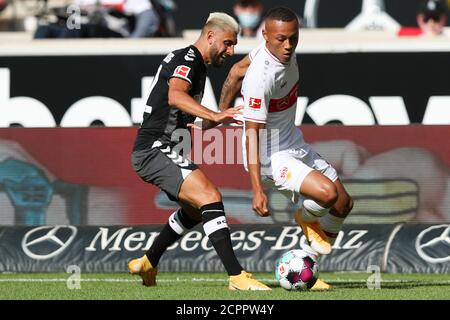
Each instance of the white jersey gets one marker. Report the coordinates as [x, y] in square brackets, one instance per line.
[270, 90]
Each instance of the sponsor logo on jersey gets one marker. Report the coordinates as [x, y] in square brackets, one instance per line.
[281, 104]
[182, 71]
[190, 55]
[255, 103]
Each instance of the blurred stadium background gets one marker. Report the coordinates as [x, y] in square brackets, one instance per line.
[372, 101]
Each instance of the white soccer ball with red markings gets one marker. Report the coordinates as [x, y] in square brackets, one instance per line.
[296, 270]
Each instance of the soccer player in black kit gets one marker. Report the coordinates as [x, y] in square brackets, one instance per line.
[173, 104]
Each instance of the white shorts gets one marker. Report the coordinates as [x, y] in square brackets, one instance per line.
[290, 167]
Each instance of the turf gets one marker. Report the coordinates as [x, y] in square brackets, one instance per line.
[212, 286]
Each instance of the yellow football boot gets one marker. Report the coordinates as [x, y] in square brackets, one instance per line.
[144, 268]
[321, 285]
[245, 281]
[317, 239]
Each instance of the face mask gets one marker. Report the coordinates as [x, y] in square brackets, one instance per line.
[248, 19]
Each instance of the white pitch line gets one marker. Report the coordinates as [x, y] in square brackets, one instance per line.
[389, 281]
[213, 280]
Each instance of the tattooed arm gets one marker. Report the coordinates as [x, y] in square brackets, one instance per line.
[232, 84]
[230, 89]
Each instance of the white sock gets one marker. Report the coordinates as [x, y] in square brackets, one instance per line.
[331, 225]
[310, 251]
[312, 210]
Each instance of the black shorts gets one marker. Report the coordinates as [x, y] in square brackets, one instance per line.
[162, 167]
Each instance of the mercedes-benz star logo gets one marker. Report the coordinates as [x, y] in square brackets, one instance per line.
[443, 238]
[35, 239]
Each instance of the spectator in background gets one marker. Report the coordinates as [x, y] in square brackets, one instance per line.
[108, 18]
[431, 20]
[147, 20]
[249, 14]
[432, 17]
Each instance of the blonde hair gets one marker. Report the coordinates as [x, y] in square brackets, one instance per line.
[221, 21]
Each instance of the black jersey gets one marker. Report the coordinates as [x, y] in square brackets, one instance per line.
[160, 119]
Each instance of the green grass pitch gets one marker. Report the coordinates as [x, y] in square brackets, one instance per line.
[213, 286]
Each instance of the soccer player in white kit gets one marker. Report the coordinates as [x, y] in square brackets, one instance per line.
[278, 156]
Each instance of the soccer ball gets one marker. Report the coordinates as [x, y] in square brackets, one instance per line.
[296, 270]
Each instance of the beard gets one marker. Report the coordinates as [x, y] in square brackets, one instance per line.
[217, 60]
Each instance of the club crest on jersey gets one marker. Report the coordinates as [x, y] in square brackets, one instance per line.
[182, 71]
[284, 175]
[255, 103]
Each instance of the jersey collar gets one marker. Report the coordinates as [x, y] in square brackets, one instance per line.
[275, 58]
[197, 52]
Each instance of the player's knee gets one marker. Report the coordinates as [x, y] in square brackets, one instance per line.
[343, 207]
[211, 195]
[328, 195]
[348, 206]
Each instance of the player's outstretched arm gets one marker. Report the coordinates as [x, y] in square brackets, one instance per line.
[179, 97]
[233, 83]
[208, 124]
[260, 202]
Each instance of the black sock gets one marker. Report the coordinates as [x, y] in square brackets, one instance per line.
[216, 228]
[179, 223]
